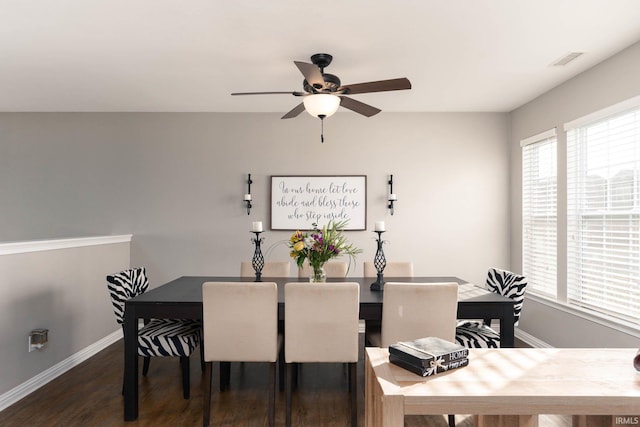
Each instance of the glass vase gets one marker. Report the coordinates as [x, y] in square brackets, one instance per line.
[317, 274]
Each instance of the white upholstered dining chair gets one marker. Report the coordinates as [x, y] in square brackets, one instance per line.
[417, 310]
[270, 269]
[393, 269]
[321, 325]
[240, 324]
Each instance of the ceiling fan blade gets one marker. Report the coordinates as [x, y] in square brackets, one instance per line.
[358, 107]
[270, 93]
[295, 112]
[311, 73]
[379, 86]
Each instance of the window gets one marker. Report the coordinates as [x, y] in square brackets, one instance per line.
[539, 212]
[603, 211]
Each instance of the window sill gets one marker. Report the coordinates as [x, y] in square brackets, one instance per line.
[601, 319]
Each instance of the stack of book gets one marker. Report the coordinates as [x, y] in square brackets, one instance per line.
[428, 356]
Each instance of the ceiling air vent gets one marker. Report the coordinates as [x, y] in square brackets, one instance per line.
[567, 58]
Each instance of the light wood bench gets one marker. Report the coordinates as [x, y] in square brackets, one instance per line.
[510, 387]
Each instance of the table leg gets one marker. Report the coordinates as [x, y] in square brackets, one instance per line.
[507, 321]
[130, 363]
[380, 410]
[392, 411]
[371, 394]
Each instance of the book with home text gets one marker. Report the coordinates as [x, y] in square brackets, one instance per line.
[436, 366]
[423, 351]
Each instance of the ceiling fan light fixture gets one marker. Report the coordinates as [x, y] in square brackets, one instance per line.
[323, 93]
[321, 104]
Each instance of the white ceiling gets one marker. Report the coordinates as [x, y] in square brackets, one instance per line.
[189, 55]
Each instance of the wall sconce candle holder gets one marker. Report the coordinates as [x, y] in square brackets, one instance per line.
[380, 262]
[247, 196]
[392, 196]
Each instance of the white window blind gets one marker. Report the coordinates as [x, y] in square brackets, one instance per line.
[539, 212]
[603, 208]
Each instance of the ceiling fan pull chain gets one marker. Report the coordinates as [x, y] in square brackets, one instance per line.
[322, 116]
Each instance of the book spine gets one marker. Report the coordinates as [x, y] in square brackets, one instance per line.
[425, 372]
[409, 358]
[425, 360]
[408, 366]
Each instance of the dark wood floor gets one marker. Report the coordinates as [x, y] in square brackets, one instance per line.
[89, 395]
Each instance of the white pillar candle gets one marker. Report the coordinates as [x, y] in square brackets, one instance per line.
[379, 226]
[256, 226]
[247, 196]
[392, 196]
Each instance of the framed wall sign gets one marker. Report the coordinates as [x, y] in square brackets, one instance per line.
[299, 201]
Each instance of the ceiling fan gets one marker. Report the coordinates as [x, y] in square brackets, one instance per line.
[323, 93]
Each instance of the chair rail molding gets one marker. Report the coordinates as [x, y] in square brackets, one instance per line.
[10, 248]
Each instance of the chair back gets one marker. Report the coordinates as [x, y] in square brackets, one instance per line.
[321, 322]
[270, 269]
[240, 321]
[393, 269]
[332, 269]
[510, 285]
[418, 310]
[125, 285]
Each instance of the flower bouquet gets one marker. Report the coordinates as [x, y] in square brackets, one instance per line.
[320, 245]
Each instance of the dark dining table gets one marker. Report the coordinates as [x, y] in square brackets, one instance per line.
[182, 299]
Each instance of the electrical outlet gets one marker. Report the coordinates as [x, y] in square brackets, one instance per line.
[39, 343]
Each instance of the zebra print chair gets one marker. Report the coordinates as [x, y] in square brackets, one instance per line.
[479, 334]
[158, 337]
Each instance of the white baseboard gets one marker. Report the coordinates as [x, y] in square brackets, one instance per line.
[15, 394]
[531, 340]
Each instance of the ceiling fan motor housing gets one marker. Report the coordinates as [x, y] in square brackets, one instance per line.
[331, 84]
[331, 81]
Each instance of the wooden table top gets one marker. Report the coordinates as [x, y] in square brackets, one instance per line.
[519, 381]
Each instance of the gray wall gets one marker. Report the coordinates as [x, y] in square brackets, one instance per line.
[608, 83]
[176, 181]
